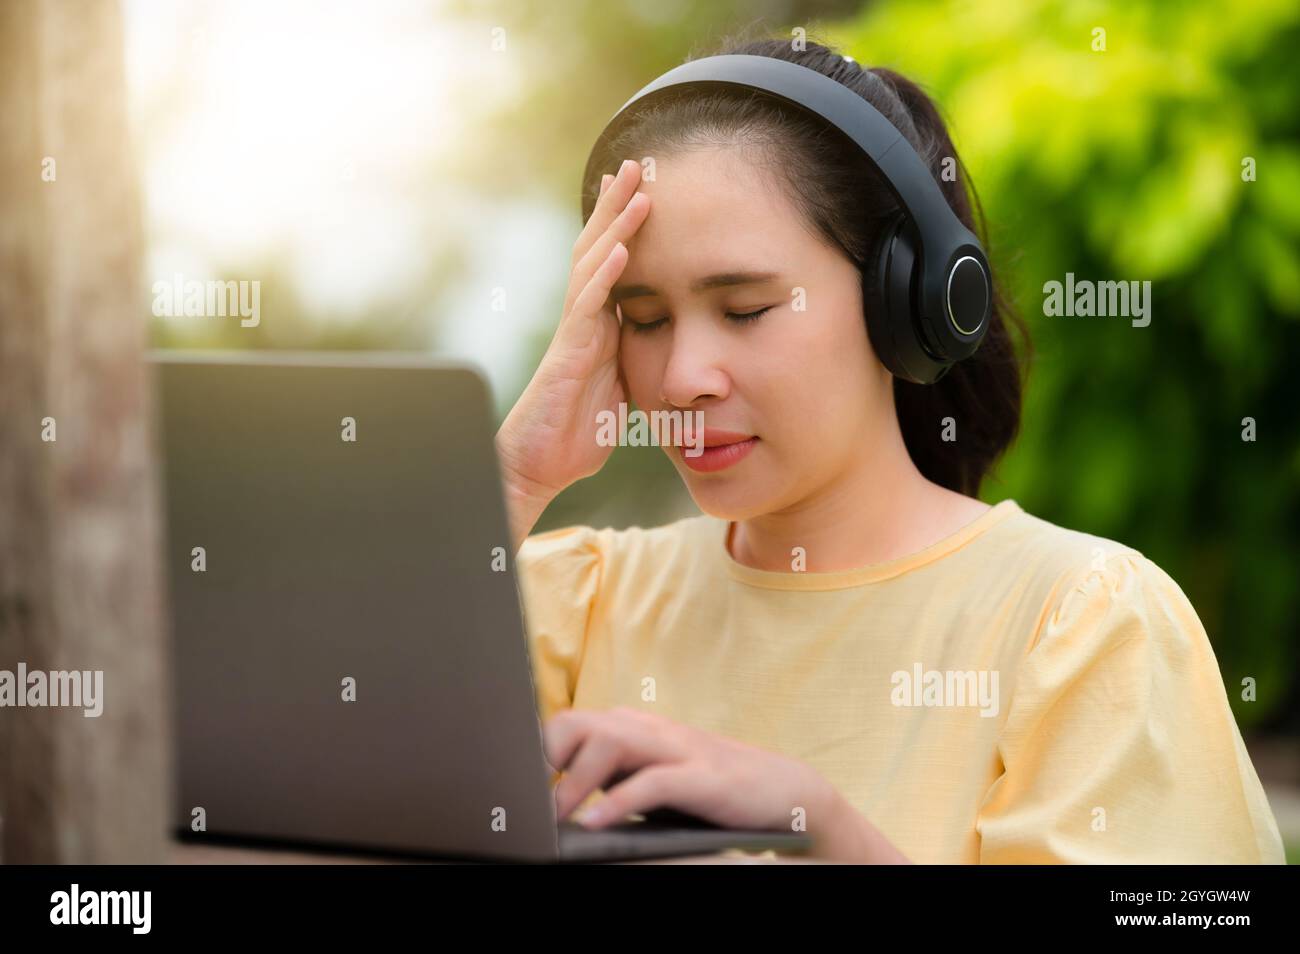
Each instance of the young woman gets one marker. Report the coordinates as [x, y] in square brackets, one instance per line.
[846, 640]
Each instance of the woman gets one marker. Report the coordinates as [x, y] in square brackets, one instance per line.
[846, 641]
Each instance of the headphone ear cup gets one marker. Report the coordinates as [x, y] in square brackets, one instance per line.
[891, 311]
[876, 297]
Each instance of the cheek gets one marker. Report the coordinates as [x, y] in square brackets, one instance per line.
[640, 366]
[821, 383]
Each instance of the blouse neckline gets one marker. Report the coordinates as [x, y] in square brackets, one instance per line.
[873, 573]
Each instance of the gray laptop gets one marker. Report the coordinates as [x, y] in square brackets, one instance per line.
[351, 671]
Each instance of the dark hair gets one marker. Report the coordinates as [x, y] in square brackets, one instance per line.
[983, 393]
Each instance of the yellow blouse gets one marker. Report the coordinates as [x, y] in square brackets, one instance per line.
[1015, 693]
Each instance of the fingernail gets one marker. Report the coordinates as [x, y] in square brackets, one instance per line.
[605, 180]
[589, 816]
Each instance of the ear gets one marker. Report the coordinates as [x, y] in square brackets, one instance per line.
[877, 369]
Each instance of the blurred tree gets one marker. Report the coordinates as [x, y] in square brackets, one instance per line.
[80, 574]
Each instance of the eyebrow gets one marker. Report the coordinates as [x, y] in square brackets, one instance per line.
[720, 280]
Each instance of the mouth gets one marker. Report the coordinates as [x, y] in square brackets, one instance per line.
[722, 449]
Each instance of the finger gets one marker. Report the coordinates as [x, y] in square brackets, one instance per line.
[622, 183]
[612, 745]
[593, 766]
[661, 785]
[605, 180]
[565, 733]
[579, 323]
[625, 182]
[624, 226]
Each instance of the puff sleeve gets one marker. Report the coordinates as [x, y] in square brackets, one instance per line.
[559, 576]
[1119, 745]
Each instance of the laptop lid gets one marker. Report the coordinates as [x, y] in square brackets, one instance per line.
[350, 661]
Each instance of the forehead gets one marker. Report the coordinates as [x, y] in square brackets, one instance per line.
[713, 209]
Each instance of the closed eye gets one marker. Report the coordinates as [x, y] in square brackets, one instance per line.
[748, 316]
[645, 327]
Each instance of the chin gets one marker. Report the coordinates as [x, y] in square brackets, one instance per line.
[728, 498]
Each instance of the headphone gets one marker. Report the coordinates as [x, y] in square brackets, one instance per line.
[934, 293]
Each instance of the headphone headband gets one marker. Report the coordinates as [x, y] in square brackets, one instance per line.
[951, 288]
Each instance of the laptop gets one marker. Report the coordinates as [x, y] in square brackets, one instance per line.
[351, 669]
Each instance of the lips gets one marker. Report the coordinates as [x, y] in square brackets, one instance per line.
[722, 449]
[717, 437]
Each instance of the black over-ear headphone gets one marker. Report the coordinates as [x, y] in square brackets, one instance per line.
[935, 295]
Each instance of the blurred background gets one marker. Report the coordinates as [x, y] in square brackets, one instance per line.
[405, 176]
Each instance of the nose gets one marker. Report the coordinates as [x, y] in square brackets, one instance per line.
[695, 370]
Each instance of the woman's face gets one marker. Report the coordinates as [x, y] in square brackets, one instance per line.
[802, 377]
